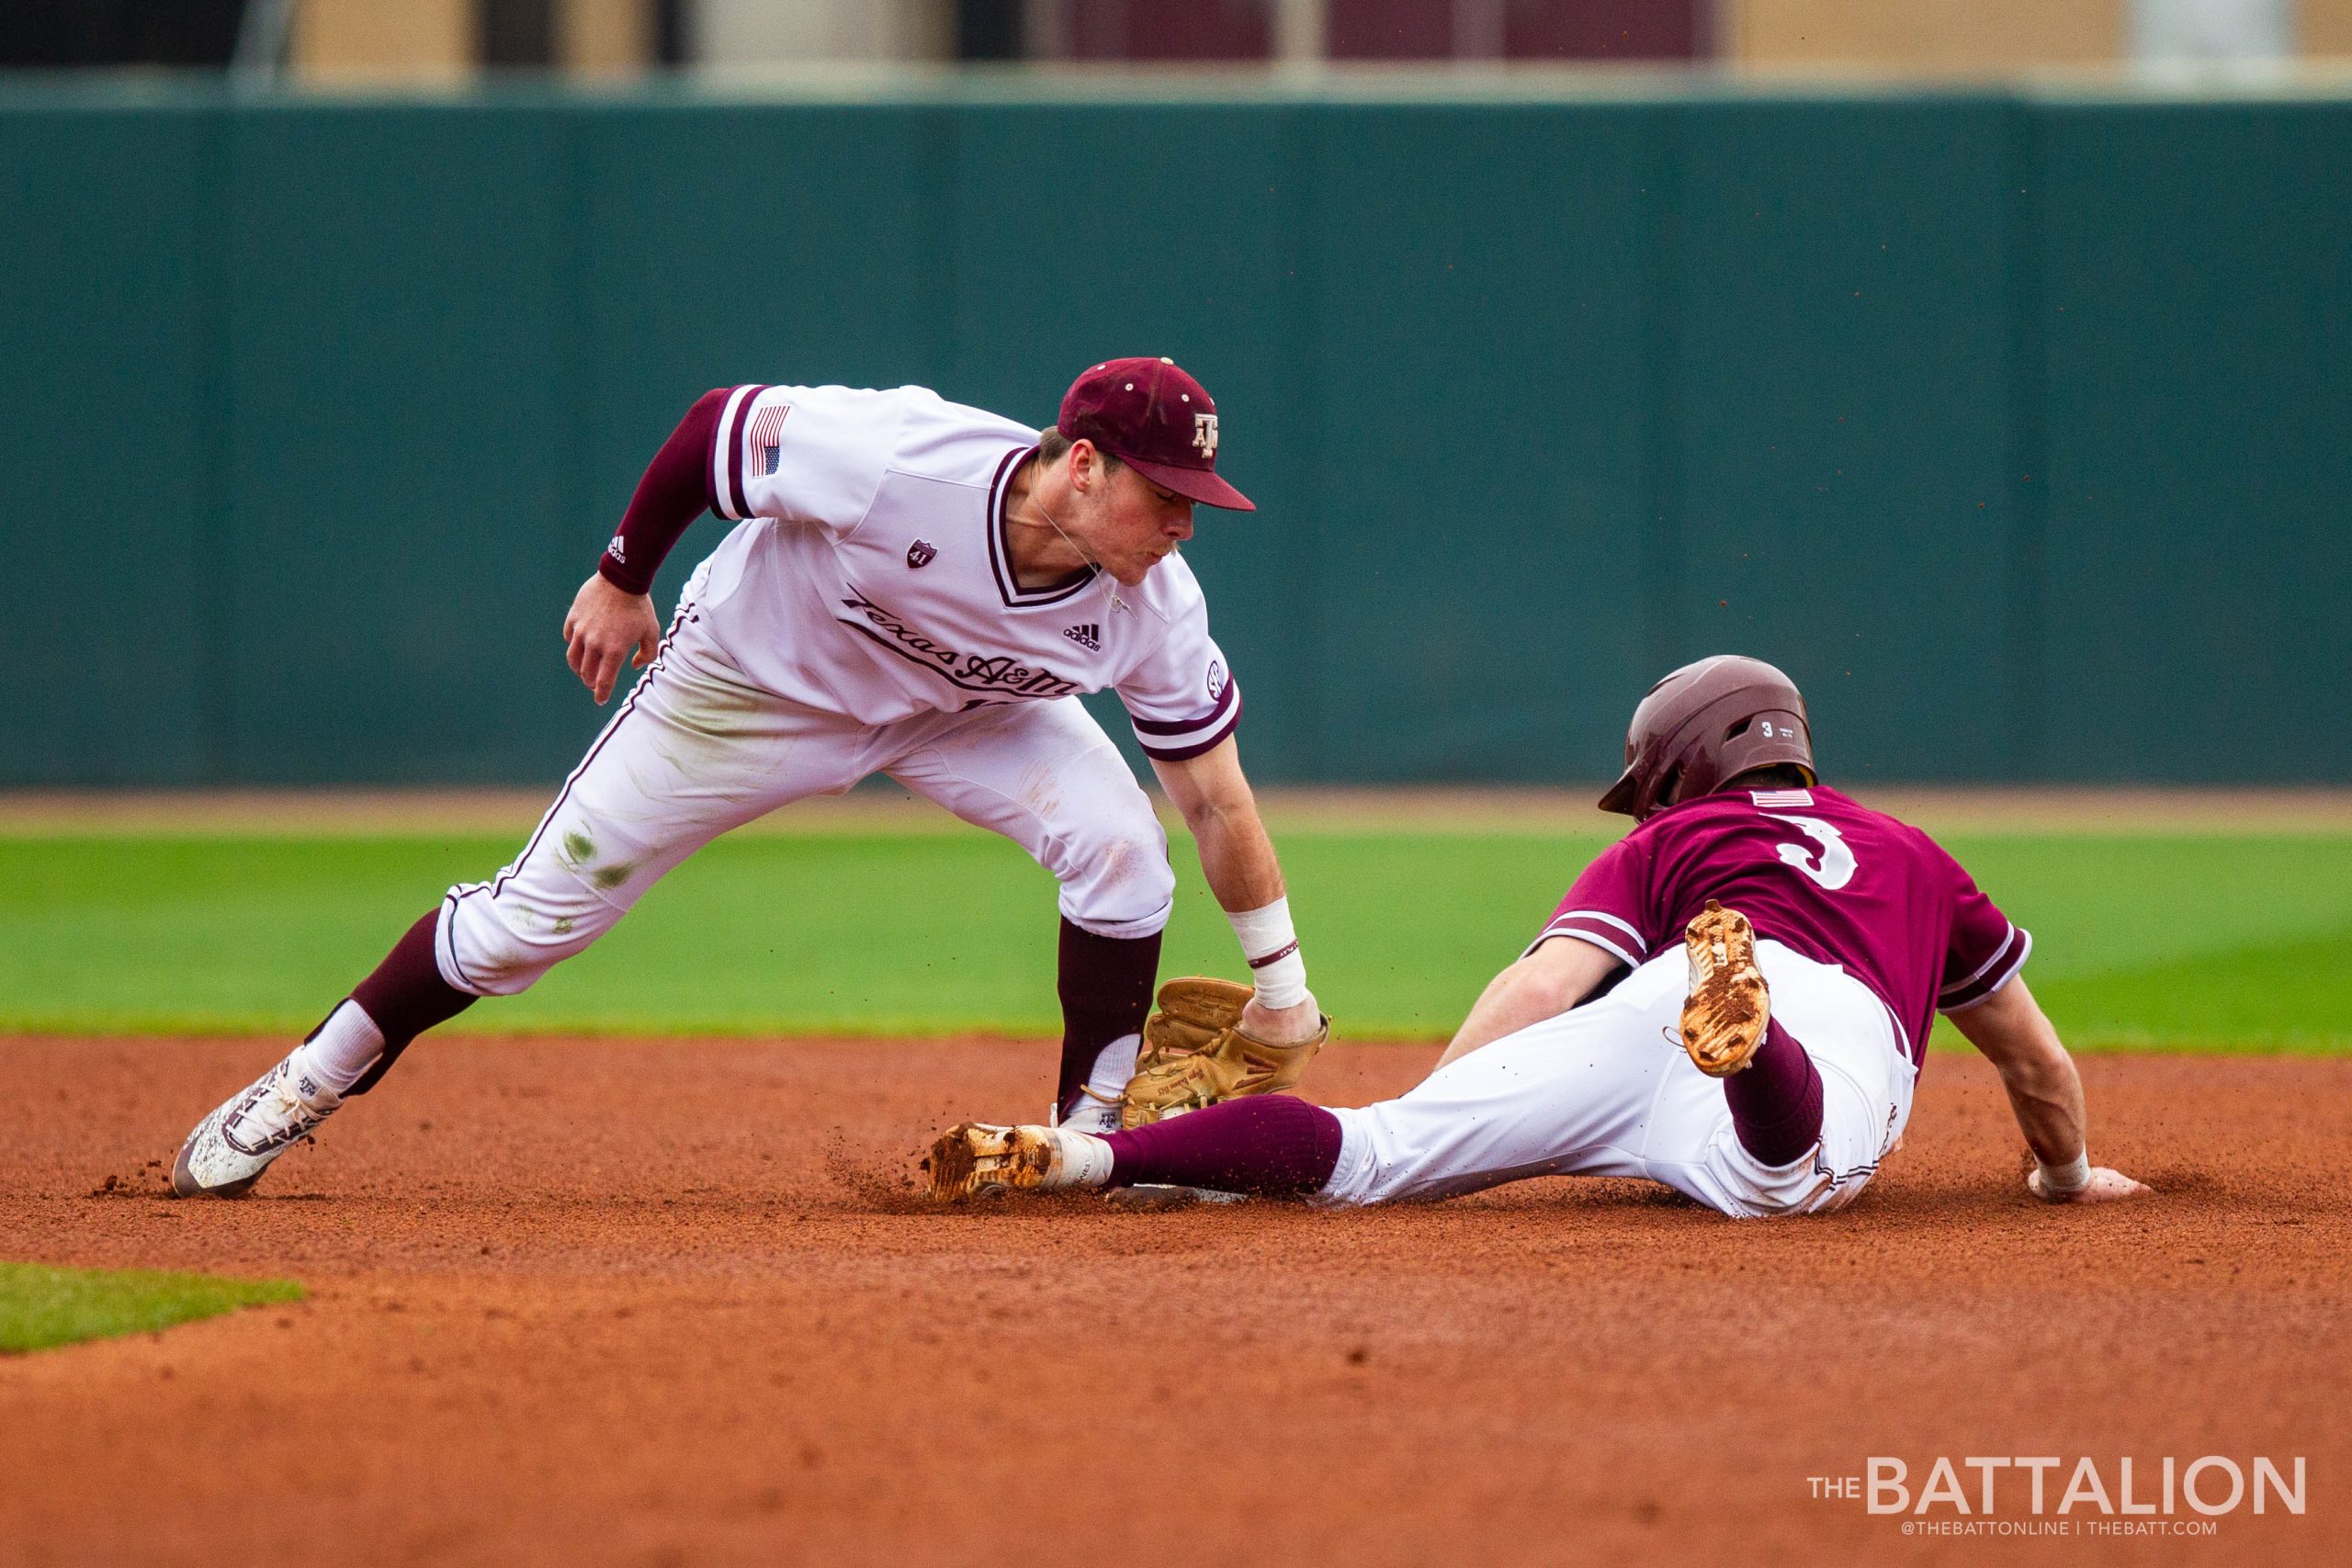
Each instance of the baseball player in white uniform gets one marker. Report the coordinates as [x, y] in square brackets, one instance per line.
[914, 588]
[1734, 1000]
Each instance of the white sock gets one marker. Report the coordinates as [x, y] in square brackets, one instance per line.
[340, 1053]
[1114, 1066]
[1097, 1110]
[1085, 1159]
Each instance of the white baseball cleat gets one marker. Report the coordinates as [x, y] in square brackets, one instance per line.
[1728, 1007]
[229, 1149]
[977, 1159]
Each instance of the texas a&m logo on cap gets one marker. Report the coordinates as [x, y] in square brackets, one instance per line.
[1155, 419]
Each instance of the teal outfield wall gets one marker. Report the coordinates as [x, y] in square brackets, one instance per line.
[2019, 429]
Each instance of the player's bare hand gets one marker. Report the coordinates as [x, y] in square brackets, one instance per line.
[2104, 1187]
[608, 630]
[1281, 1026]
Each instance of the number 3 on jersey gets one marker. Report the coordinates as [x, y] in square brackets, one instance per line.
[1835, 866]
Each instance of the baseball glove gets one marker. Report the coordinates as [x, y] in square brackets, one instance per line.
[1194, 1053]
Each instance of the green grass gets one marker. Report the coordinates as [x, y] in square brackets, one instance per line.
[2213, 942]
[41, 1306]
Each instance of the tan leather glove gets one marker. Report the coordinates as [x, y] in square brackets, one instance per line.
[1194, 1052]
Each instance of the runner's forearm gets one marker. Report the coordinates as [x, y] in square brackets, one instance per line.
[1508, 1005]
[2047, 1098]
[2045, 1092]
[1546, 983]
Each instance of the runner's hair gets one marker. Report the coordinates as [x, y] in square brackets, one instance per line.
[1777, 776]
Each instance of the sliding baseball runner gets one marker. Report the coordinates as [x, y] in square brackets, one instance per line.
[1734, 1000]
[913, 588]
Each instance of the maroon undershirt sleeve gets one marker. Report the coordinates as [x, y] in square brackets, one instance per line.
[673, 492]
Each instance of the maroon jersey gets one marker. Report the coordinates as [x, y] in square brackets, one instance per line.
[1838, 882]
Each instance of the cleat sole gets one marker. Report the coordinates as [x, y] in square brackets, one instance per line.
[1728, 1007]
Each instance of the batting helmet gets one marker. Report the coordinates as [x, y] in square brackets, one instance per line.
[1705, 725]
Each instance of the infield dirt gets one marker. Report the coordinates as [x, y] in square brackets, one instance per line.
[674, 1302]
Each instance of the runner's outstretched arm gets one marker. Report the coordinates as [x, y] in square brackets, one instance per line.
[2045, 1092]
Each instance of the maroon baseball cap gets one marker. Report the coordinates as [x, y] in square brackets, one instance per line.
[1157, 420]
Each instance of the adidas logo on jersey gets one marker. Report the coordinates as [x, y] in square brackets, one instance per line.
[1087, 637]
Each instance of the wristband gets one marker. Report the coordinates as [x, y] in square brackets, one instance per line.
[1271, 945]
[2070, 1178]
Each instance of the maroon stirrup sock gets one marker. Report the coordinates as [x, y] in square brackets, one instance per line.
[406, 995]
[1776, 1100]
[1268, 1145]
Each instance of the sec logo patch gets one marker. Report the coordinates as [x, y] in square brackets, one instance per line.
[1216, 680]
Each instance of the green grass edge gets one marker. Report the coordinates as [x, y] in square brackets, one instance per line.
[44, 1306]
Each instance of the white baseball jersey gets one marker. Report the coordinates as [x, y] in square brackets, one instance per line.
[870, 576]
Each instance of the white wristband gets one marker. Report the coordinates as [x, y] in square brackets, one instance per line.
[2071, 1176]
[1271, 945]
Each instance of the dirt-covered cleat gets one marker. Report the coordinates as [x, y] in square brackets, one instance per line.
[229, 1149]
[977, 1159]
[1728, 1007]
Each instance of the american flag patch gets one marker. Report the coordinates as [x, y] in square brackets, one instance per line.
[1766, 799]
[766, 436]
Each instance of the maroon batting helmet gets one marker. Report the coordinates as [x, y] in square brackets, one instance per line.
[1705, 725]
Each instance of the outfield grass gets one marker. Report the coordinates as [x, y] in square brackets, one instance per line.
[41, 1306]
[2213, 942]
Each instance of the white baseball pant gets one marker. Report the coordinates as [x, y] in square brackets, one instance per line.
[695, 750]
[1607, 1090]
